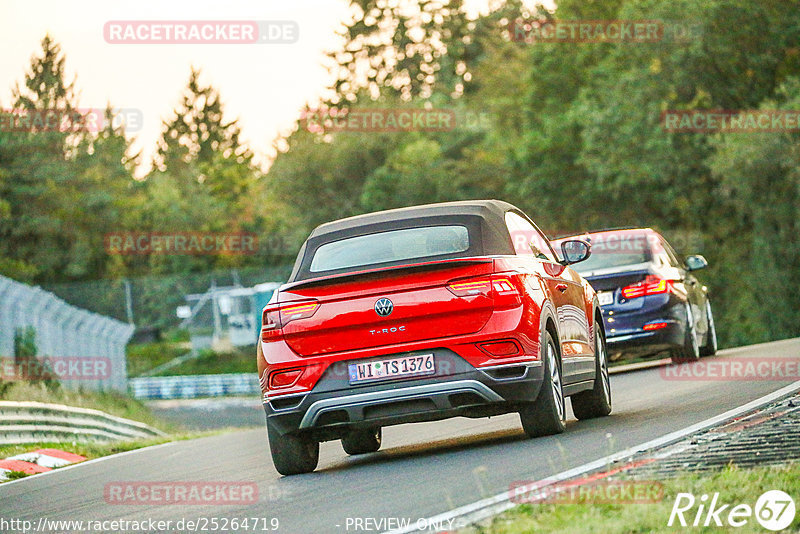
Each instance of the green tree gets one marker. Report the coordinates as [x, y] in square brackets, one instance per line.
[198, 145]
[108, 197]
[758, 178]
[412, 49]
[37, 173]
[62, 184]
[202, 181]
[321, 178]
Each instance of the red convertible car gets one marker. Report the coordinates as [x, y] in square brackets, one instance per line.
[425, 313]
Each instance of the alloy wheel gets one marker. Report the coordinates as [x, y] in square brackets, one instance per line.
[555, 380]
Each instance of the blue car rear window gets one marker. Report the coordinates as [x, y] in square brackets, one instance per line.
[608, 251]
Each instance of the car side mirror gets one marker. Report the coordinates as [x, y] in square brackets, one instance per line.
[695, 263]
[574, 251]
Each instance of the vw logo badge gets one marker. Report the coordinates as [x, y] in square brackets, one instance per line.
[384, 307]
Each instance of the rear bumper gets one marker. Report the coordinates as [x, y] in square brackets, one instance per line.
[332, 408]
[647, 341]
[625, 330]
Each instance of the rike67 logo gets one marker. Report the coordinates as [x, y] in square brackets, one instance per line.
[774, 510]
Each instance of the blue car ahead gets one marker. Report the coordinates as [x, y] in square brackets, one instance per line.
[651, 301]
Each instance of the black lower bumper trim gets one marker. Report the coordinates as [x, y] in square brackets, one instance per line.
[331, 414]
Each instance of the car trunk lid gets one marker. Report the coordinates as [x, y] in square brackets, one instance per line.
[421, 307]
[609, 284]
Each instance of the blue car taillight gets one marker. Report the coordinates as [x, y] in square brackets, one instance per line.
[652, 285]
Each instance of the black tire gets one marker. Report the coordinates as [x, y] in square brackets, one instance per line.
[362, 441]
[292, 454]
[547, 414]
[690, 351]
[595, 402]
[709, 348]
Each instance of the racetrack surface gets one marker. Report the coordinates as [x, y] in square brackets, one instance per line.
[211, 413]
[422, 470]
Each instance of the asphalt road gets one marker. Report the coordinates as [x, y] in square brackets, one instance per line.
[211, 413]
[422, 469]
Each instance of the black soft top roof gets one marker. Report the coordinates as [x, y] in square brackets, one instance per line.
[483, 208]
[485, 220]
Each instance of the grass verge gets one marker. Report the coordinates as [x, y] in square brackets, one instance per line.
[735, 486]
[144, 357]
[241, 360]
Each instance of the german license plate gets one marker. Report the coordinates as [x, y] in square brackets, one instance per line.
[605, 298]
[421, 364]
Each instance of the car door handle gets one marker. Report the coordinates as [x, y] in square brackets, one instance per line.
[561, 287]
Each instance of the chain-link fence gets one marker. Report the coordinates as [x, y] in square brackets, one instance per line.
[43, 337]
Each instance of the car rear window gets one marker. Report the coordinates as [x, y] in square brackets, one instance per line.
[616, 250]
[390, 246]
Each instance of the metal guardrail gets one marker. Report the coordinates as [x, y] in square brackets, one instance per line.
[37, 422]
[193, 386]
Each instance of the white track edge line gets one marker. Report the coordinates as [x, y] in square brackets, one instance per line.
[501, 502]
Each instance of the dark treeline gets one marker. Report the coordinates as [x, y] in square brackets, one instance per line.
[570, 132]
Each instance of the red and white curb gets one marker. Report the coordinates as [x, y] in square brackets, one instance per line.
[38, 461]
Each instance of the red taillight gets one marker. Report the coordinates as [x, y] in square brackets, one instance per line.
[466, 288]
[270, 323]
[500, 288]
[652, 285]
[503, 286]
[654, 326]
[284, 379]
[485, 285]
[298, 311]
[276, 316]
